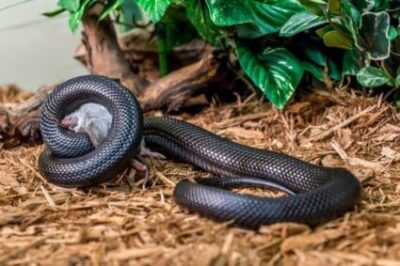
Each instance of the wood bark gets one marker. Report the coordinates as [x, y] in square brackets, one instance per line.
[173, 90]
[104, 57]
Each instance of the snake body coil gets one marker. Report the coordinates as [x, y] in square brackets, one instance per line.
[316, 194]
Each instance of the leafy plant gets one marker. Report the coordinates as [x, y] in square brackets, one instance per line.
[278, 42]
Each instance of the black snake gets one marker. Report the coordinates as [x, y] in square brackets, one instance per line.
[315, 194]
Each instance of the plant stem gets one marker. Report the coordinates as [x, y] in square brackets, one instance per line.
[162, 49]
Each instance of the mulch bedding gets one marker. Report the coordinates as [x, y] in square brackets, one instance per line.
[121, 223]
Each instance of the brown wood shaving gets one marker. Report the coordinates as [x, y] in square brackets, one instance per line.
[119, 223]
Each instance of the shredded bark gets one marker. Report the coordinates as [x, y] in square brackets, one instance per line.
[121, 223]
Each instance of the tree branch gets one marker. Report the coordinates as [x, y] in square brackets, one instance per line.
[173, 90]
[104, 56]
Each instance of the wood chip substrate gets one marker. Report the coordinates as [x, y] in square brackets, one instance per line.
[122, 223]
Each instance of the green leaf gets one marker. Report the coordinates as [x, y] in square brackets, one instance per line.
[334, 7]
[324, 30]
[318, 1]
[393, 33]
[76, 17]
[374, 32]
[316, 71]
[155, 9]
[314, 7]
[350, 17]
[274, 12]
[74, 20]
[397, 80]
[312, 51]
[110, 7]
[252, 30]
[229, 13]
[70, 5]
[364, 5]
[200, 18]
[338, 39]
[301, 22]
[372, 77]
[270, 17]
[54, 13]
[381, 5]
[252, 18]
[351, 62]
[333, 70]
[275, 71]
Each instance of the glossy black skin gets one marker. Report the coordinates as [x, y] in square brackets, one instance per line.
[315, 194]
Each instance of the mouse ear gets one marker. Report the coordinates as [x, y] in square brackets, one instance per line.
[96, 131]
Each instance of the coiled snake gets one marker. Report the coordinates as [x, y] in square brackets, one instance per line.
[315, 194]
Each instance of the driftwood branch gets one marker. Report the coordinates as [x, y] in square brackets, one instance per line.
[172, 91]
[21, 120]
[104, 56]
